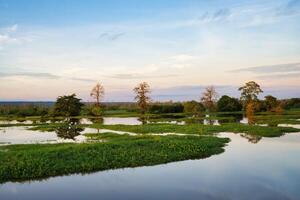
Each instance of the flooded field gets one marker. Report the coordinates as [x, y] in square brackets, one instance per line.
[241, 172]
[21, 133]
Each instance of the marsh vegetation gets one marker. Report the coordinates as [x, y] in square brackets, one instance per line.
[76, 137]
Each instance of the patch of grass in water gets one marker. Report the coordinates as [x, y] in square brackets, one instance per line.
[25, 162]
[200, 129]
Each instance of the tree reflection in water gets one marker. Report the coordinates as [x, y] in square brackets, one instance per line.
[143, 119]
[251, 138]
[98, 120]
[273, 124]
[69, 130]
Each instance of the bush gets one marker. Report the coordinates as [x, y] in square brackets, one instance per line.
[291, 103]
[24, 109]
[158, 108]
[194, 107]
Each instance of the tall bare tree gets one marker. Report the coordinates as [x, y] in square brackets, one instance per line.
[209, 98]
[142, 92]
[97, 93]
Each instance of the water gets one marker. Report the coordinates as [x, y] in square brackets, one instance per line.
[122, 120]
[16, 122]
[22, 135]
[133, 121]
[104, 120]
[268, 169]
[65, 133]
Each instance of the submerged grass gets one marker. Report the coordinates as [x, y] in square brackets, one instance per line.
[25, 162]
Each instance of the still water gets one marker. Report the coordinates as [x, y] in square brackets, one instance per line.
[268, 169]
[23, 135]
[65, 133]
[104, 120]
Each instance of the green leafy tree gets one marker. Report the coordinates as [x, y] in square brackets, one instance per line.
[193, 107]
[271, 103]
[250, 92]
[291, 103]
[67, 106]
[142, 97]
[226, 103]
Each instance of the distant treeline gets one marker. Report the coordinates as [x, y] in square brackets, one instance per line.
[225, 103]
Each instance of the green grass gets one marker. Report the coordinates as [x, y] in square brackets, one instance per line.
[200, 129]
[277, 121]
[287, 117]
[26, 162]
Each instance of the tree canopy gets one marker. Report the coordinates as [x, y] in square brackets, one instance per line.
[67, 106]
[226, 103]
[250, 92]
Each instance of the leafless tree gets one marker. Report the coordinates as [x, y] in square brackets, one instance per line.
[209, 98]
[97, 93]
[142, 96]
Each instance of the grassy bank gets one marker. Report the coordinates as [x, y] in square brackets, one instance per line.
[24, 162]
[200, 129]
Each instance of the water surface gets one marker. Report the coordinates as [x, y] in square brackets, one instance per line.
[269, 169]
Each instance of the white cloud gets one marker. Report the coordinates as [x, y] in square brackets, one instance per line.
[6, 39]
[6, 35]
[12, 28]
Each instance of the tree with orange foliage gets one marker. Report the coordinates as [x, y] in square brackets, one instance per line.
[249, 97]
[250, 112]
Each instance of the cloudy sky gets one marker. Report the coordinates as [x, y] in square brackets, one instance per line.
[56, 47]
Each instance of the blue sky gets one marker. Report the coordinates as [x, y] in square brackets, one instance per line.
[52, 48]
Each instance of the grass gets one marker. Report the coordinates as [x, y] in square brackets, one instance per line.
[277, 121]
[26, 162]
[287, 117]
[200, 129]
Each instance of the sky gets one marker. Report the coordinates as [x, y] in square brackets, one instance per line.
[50, 48]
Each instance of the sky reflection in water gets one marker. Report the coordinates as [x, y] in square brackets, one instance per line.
[265, 170]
